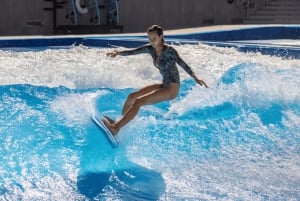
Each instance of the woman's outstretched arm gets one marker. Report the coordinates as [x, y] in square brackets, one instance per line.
[139, 50]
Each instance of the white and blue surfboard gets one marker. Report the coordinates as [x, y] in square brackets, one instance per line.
[111, 138]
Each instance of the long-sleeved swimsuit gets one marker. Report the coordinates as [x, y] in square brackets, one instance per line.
[166, 62]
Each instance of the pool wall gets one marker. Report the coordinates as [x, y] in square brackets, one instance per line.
[236, 38]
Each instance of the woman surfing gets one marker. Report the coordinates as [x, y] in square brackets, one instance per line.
[165, 59]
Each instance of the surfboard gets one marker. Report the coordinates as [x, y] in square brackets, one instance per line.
[111, 138]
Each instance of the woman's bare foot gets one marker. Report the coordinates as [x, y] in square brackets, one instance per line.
[112, 128]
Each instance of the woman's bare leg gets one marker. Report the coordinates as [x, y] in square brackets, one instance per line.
[133, 96]
[155, 96]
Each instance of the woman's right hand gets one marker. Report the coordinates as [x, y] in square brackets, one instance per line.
[112, 54]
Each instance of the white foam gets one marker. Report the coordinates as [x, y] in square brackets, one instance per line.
[82, 67]
[268, 77]
[260, 85]
[77, 67]
[76, 108]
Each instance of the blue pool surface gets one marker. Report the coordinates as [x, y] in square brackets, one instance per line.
[237, 140]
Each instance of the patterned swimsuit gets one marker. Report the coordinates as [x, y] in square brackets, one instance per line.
[166, 62]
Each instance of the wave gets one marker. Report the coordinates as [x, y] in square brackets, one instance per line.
[238, 139]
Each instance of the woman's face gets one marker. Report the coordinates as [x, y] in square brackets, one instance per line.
[154, 39]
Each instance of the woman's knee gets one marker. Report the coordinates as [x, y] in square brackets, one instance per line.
[132, 97]
[138, 103]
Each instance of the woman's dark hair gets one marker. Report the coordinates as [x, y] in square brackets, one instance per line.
[159, 30]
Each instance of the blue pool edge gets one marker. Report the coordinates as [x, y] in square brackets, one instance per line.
[232, 38]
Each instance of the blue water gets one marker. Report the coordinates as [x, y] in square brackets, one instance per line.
[237, 140]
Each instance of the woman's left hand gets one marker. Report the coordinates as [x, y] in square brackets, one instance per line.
[201, 82]
[112, 54]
